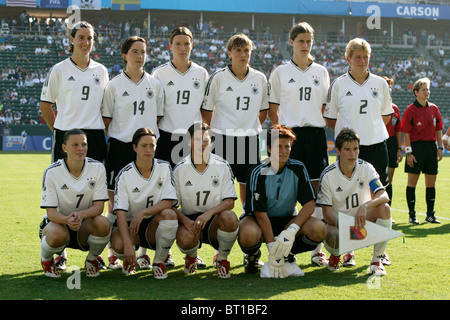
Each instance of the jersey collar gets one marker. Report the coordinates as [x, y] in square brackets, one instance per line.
[418, 105]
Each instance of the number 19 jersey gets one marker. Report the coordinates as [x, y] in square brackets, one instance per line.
[132, 105]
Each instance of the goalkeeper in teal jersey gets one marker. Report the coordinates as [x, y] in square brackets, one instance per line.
[273, 189]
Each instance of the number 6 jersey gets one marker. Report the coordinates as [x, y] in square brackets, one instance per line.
[132, 105]
[78, 94]
[345, 194]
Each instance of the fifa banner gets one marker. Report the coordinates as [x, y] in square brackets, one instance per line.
[21, 3]
[132, 5]
[351, 238]
[87, 4]
[27, 143]
[54, 4]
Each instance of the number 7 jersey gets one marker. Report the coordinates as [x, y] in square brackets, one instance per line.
[78, 94]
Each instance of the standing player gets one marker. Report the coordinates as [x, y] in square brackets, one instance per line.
[393, 143]
[273, 189]
[235, 106]
[184, 83]
[142, 202]
[74, 194]
[352, 186]
[361, 101]
[445, 140]
[206, 194]
[133, 99]
[298, 95]
[77, 85]
[422, 128]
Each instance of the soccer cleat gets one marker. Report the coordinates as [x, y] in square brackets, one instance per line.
[60, 263]
[159, 271]
[200, 263]
[252, 262]
[377, 269]
[190, 266]
[385, 260]
[144, 262]
[431, 218]
[92, 268]
[114, 263]
[349, 260]
[319, 259]
[168, 262]
[223, 269]
[334, 263]
[412, 218]
[101, 263]
[128, 269]
[50, 269]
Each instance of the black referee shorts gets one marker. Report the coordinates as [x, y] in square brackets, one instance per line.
[425, 153]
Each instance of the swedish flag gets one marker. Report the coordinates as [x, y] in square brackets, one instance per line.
[126, 5]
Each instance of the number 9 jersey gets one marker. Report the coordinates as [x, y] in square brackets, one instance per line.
[78, 94]
[345, 194]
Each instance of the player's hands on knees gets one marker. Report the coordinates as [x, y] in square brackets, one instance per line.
[136, 222]
[74, 221]
[202, 220]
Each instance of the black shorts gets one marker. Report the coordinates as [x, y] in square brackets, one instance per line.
[165, 146]
[96, 144]
[142, 233]
[310, 147]
[73, 236]
[377, 156]
[118, 156]
[204, 237]
[392, 147]
[425, 153]
[242, 153]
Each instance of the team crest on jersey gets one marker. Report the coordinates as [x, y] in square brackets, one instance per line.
[160, 183]
[196, 83]
[150, 93]
[361, 184]
[375, 92]
[255, 89]
[91, 183]
[215, 181]
[96, 79]
[316, 81]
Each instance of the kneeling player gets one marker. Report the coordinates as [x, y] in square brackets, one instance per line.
[273, 189]
[206, 194]
[74, 195]
[352, 186]
[143, 199]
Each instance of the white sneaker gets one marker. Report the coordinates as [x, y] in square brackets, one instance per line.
[385, 260]
[114, 263]
[159, 271]
[349, 260]
[377, 269]
[319, 259]
[128, 269]
[144, 262]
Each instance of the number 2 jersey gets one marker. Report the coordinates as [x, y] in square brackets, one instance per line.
[132, 105]
[345, 194]
[134, 192]
[67, 193]
[78, 94]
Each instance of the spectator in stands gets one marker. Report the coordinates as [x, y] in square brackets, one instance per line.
[14, 94]
[422, 128]
[9, 116]
[2, 117]
[17, 117]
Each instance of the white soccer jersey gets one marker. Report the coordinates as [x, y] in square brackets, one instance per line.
[61, 190]
[201, 191]
[300, 94]
[360, 107]
[345, 194]
[132, 105]
[184, 95]
[134, 192]
[78, 94]
[236, 104]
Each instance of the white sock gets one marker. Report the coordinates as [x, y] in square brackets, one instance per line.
[96, 245]
[379, 248]
[165, 236]
[141, 251]
[47, 252]
[190, 252]
[111, 217]
[226, 242]
[317, 249]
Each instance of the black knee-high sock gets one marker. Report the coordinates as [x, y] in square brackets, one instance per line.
[411, 198]
[430, 195]
[389, 192]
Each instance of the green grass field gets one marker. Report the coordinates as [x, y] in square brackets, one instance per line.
[419, 270]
